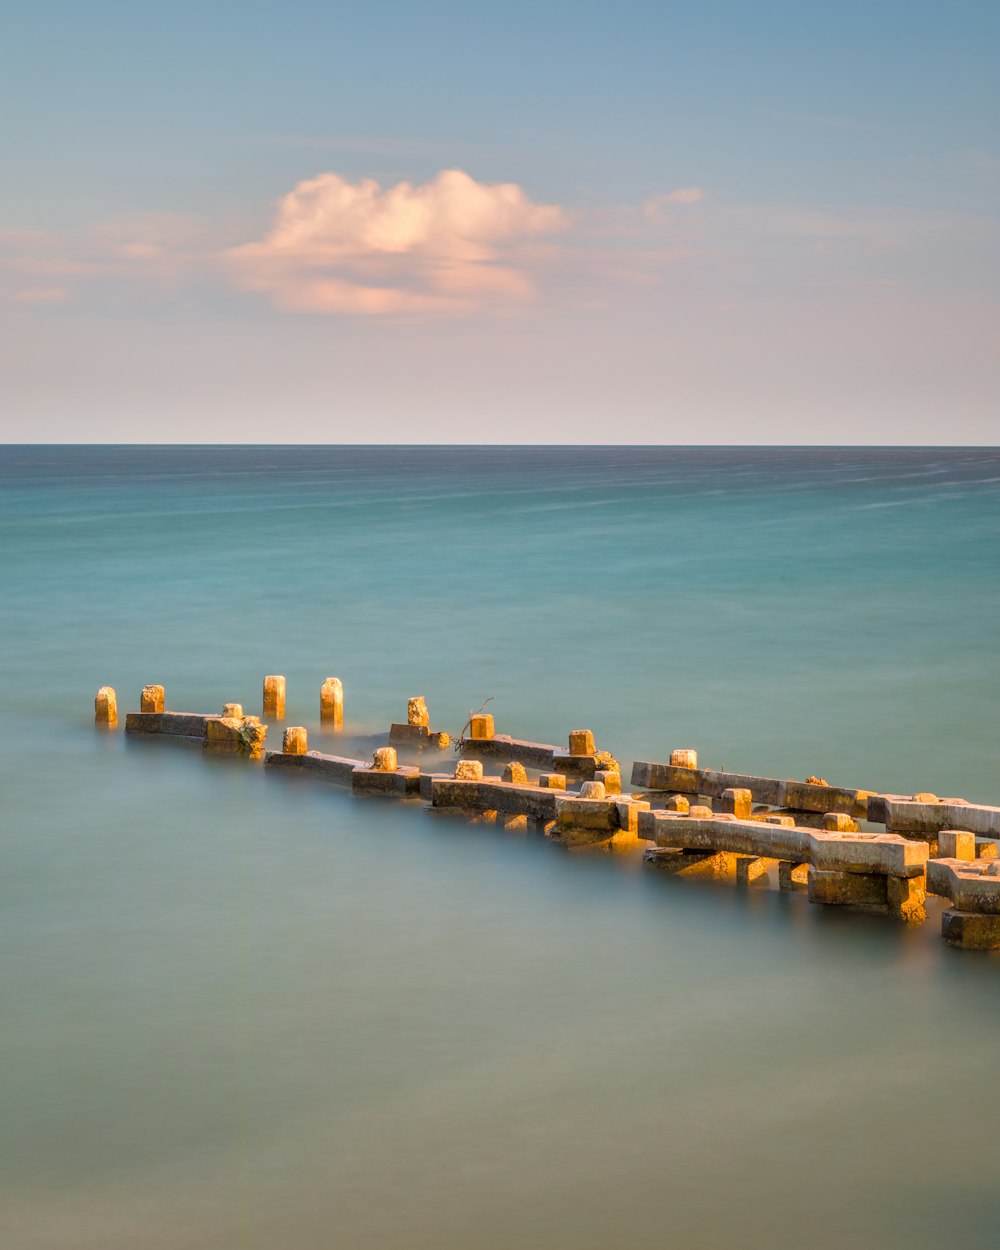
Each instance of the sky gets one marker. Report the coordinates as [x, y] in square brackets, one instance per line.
[402, 222]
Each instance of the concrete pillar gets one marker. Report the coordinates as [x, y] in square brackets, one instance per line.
[956, 844]
[581, 742]
[274, 698]
[106, 708]
[792, 876]
[593, 790]
[612, 780]
[749, 868]
[515, 773]
[552, 781]
[416, 712]
[385, 760]
[700, 811]
[738, 803]
[295, 741]
[847, 889]
[232, 711]
[441, 740]
[331, 704]
[469, 770]
[906, 898]
[684, 758]
[514, 824]
[839, 822]
[677, 803]
[481, 726]
[152, 699]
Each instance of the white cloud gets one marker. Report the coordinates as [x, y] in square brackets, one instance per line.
[448, 245]
[655, 208]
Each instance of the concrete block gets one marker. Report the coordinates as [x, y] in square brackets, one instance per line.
[106, 708]
[690, 863]
[552, 781]
[414, 736]
[684, 758]
[274, 698]
[750, 869]
[481, 726]
[986, 849]
[440, 740]
[971, 886]
[385, 760]
[513, 823]
[152, 699]
[738, 802]
[906, 898]
[971, 930]
[610, 779]
[792, 876]
[677, 803]
[700, 812]
[808, 796]
[416, 712]
[865, 891]
[584, 813]
[839, 822]
[468, 770]
[331, 704]
[785, 822]
[240, 736]
[332, 768]
[629, 810]
[515, 773]
[232, 711]
[399, 783]
[581, 742]
[593, 790]
[168, 724]
[956, 844]
[295, 740]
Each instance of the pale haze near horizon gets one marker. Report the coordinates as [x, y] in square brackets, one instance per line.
[445, 223]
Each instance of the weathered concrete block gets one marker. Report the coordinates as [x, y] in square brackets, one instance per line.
[865, 891]
[492, 794]
[152, 699]
[583, 813]
[691, 863]
[385, 759]
[106, 708]
[907, 816]
[232, 711]
[274, 698]
[440, 740]
[906, 898]
[399, 783]
[243, 736]
[629, 811]
[786, 822]
[468, 770]
[415, 736]
[593, 790]
[481, 727]
[610, 779]
[839, 822]
[331, 704]
[971, 886]
[684, 758]
[169, 724]
[750, 868]
[515, 773]
[700, 811]
[514, 824]
[581, 742]
[808, 796]
[332, 768]
[986, 849]
[956, 844]
[792, 876]
[738, 802]
[416, 712]
[971, 930]
[677, 803]
[295, 740]
[552, 781]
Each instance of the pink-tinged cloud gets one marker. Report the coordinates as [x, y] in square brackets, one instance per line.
[449, 245]
[655, 209]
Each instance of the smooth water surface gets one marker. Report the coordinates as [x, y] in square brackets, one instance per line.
[244, 1012]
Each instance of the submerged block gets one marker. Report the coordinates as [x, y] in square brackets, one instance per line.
[906, 898]
[169, 724]
[866, 891]
[152, 699]
[971, 930]
[394, 783]
[274, 698]
[334, 768]
[241, 736]
[106, 708]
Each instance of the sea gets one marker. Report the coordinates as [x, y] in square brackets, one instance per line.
[249, 1012]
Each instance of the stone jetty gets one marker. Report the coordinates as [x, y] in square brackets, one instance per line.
[691, 821]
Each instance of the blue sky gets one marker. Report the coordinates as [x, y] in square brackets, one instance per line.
[827, 272]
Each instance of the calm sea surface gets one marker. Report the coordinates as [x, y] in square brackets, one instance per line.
[240, 1013]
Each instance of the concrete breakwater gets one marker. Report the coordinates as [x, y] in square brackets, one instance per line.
[691, 821]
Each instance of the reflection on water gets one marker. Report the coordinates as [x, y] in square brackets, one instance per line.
[246, 1011]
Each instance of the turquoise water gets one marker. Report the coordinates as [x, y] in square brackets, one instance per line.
[242, 1013]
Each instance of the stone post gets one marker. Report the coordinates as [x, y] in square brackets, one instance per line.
[232, 711]
[417, 714]
[481, 726]
[581, 742]
[331, 704]
[295, 741]
[106, 708]
[516, 774]
[152, 699]
[956, 844]
[385, 760]
[684, 758]
[274, 698]
[469, 770]
[736, 802]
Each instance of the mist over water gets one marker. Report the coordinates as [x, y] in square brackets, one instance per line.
[245, 1012]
